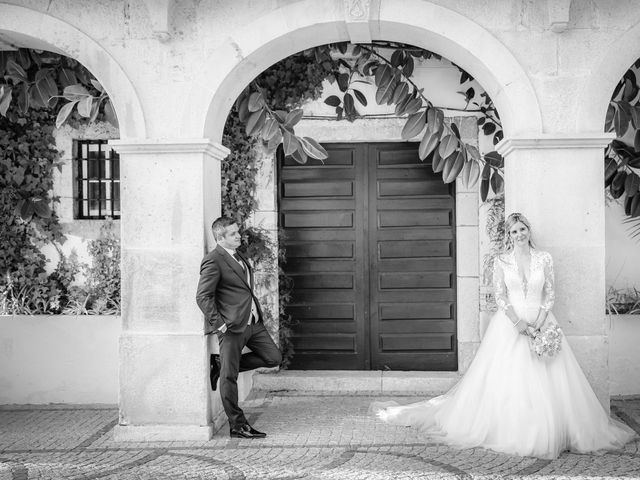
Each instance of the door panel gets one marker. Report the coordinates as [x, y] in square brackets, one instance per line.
[369, 239]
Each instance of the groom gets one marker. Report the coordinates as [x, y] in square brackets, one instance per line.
[226, 297]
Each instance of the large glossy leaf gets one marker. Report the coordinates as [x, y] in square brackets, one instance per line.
[473, 152]
[15, 72]
[397, 57]
[454, 129]
[497, 183]
[270, 129]
[75, 92]
[383, 75]
[293, 117]
[402, 104]
[333, 100]
[415, 124]
[617, 185]
[634, 210]
[413, 106]
[631, 184]
[289, 142]
[452, 167]
[636, 141]
[401, 91]
[256, 102]
[437, 162]
[84, 107]
[66, 77]
[620, 122]
[41, 208]
[256, 122]
[360, 96]
[385, 91]
[408, 67]
[448, 146]
[470, 173]
[243, 109]
[484, 189]
[610, 169]
[343, 81]
[5, 99]
[313, 148]
[64, 112]
[428, 144]
[608, 121]
[26, 212]
[275, 140]
[495, 159]
[299, 155]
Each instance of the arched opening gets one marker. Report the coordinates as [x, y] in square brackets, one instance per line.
[345, 325]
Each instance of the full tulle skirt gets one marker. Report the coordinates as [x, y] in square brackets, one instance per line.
[512, 401]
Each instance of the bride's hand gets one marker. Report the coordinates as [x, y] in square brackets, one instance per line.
[522, 327]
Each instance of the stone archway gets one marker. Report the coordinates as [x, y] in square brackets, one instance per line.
[305, 24]
[47, 32]
[287, 31]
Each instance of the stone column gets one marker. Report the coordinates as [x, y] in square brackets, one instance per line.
[170, 192]
[557, 182]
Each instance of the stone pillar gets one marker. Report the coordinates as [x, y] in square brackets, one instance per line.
[170, 192]
[556, 181]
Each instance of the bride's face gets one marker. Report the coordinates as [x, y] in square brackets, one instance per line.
[519, 233]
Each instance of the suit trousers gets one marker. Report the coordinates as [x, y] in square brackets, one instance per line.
[264, 353]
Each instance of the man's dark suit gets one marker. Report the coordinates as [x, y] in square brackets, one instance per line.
[225, 296]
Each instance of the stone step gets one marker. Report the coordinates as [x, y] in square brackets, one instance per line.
[355, 382]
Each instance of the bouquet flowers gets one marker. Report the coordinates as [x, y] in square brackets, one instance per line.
[547, 342]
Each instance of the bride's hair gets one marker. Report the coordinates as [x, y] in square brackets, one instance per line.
[510, 221]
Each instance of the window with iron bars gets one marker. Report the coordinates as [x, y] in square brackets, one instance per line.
[97, 174]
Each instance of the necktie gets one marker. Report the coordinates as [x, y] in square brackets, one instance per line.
[237, 257]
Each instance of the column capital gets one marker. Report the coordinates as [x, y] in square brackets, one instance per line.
[159, 146]
[554, 141]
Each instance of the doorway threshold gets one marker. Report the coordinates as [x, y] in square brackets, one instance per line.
[355, 382]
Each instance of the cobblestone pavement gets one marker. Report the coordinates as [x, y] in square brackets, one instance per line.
[309, 437]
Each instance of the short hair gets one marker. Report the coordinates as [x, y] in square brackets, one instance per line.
[219, 226]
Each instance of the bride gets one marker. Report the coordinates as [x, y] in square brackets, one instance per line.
[511, 399]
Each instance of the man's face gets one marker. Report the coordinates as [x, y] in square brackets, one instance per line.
[231, 237]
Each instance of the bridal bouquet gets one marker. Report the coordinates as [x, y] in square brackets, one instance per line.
[547, 342]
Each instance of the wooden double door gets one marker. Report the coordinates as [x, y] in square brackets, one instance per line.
[370, 246]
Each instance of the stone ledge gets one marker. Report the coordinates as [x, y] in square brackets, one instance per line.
[356, 382]
[162, 433]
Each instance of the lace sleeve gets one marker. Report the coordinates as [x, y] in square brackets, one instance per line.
[499, 287]
[549, 296]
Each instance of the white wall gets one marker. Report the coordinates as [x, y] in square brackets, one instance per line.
[622, 251]
[59, 359]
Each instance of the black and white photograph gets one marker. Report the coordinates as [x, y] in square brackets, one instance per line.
[319, 239]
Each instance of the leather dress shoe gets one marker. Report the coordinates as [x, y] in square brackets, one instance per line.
[245, 431]
[214, 370]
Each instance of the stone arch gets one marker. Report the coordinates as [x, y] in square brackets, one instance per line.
[607, 71]
[43, 31]
[304, 24]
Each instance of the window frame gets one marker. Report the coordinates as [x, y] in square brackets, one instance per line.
[106, 196]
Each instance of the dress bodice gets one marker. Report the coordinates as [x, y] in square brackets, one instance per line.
[512, 288]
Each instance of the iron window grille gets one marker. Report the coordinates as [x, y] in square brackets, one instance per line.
[97, 169]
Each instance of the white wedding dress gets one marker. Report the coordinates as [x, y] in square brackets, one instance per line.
[510, 400]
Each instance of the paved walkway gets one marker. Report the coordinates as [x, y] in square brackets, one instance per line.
[309, 437]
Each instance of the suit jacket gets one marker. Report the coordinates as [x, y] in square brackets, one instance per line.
[224, 295]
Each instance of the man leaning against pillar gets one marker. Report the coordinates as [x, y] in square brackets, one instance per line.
[227, 298]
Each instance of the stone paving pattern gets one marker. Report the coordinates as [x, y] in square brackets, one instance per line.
[309, 437]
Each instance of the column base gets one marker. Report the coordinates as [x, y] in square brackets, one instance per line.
[163, 433]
